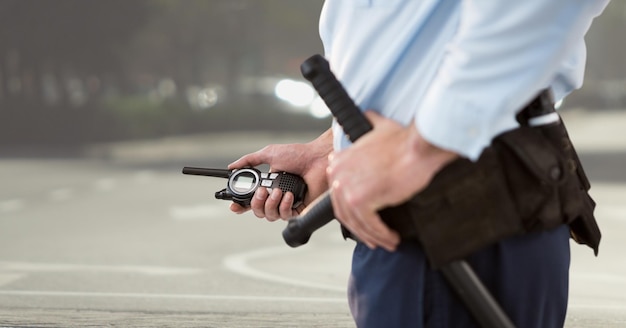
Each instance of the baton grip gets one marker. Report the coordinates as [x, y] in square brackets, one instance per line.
[354, 123]
[317, 71]
[459, 274]
[317, 214]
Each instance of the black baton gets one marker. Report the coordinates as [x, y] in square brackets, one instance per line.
[459, 274]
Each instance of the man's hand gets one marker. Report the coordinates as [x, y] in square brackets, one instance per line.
[308, 160]
[385, 167]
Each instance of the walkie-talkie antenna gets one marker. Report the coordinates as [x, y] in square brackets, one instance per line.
[218, 173]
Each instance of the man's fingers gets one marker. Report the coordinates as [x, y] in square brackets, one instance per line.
[234, 207]
[253, 159]
[285, 209]
[272, 203]
[369, 228]
[258, 202]
[380, 234]
[345, 214]
[363, 222]
[246, 160]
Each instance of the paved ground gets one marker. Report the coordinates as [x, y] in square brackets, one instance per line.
[121, 238]
[47, 318]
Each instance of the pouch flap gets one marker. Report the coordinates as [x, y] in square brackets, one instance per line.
[535, 152]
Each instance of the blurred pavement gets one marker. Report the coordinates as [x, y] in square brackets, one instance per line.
[123, 239]
[591, 132]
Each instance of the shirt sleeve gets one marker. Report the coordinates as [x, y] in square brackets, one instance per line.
[503, 54]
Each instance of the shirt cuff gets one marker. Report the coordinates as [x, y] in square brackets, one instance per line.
[463, 126]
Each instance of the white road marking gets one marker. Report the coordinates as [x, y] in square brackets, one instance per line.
[11, 205]
[64, 267]
[196, 212]
[61, 194]
[39, 293]
[238, 263]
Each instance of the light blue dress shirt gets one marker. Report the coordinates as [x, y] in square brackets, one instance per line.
[460, 68]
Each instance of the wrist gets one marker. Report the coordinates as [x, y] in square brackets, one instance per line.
[317, 150]
[322, 146]
[431, 155]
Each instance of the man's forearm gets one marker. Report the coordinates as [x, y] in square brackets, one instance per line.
[326, 138]
[322, 146]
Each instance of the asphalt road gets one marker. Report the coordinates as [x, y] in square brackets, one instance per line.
[121, 238]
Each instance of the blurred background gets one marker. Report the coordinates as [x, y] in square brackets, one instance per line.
[103, 102]
[76, 72]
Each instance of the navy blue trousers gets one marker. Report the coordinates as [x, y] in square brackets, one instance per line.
[528, 276]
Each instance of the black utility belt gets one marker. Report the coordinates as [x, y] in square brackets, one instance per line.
[529, 179]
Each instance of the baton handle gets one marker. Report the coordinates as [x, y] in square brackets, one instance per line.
[459, 274]
[315, 216]
[475, 295]
[317, 70]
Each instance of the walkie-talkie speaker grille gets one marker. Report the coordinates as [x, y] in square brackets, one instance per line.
[295, 184]
[288, 182]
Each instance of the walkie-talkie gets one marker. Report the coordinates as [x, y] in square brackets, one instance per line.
[242, 183]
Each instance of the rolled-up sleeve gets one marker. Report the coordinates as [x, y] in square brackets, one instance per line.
[503, 54]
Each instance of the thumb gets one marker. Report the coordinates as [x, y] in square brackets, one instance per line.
[252, 160]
